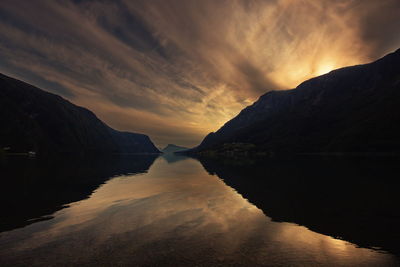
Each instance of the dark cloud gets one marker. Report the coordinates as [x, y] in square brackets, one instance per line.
[380, 26]
[255, 78]
[129, 28]
[32, 78]
[178, 69]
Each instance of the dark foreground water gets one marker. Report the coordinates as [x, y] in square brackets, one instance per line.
[177, 211]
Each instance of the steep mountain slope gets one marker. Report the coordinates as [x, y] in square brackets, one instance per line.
[353, 109]
[32, 119]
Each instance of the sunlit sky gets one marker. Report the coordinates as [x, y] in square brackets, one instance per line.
[179, 69]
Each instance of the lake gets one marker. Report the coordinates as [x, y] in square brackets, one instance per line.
[180, 211]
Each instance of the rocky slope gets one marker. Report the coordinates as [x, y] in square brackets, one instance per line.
[350, 110]
[34, 120]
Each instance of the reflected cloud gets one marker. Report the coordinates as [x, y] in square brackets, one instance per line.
[177, 213]
[329, 195]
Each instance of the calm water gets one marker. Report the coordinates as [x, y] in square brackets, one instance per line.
[172, 211]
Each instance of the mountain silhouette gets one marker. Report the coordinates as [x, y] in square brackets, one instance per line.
[34, 120]
[349, 110]
[171, 148]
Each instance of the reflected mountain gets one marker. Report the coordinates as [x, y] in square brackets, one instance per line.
[351, 199]
[174, 215]
[172, 157]
[33, 189]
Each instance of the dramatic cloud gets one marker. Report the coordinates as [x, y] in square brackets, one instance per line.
[178, 69]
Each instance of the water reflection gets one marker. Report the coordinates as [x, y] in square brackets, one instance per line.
[33, 189]
[171, 157]
[175, 214]
[351, 198]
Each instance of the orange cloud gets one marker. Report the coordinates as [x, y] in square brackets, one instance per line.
[179, 69]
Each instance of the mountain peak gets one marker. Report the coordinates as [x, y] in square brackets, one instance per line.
[171, 148]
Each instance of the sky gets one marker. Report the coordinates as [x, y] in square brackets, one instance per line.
[179, 69]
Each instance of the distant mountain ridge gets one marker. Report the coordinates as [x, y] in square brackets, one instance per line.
[349, 110]
[171, 148]
[35, 120]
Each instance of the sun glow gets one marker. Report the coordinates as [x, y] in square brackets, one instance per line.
[324, 69]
